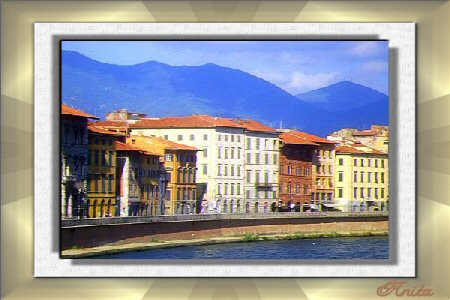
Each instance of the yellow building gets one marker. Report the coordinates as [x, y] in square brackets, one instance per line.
[180, 168]
[101, 187]
[361, 178]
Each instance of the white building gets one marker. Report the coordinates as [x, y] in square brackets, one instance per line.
[221, 165]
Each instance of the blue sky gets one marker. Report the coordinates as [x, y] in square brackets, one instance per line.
[295, 66]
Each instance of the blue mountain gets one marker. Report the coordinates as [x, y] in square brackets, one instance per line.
[357, 105]
[162, 90]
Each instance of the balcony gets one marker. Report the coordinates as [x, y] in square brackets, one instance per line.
[266, 186]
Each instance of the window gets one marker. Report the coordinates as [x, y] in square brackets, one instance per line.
[362, 192]
[232, 138]
[249, 174]
[297, 189]
[205, 152]
[110, 179]
[168, 157]
[376, 163]
[369, 192]
[205, 169]
[362, 162]
[232, 153]
[232, 189]
[166, 137]
[225, 192]
[355, 162]
[232, 170]
[266, 177]
[369, 162]
[249, 144]
[307, 171]
[103, 157]
[362, 176]
[266, 159]
[238, 153]
[205, 137]
[274, 194]
[180, 137]
[219, 170]
[226, 137]
[376, 177]
[382, 177]
[341, 176]
[274, 159]
[219, 189]
[256, 158]
[238, 189]
[191, 137]
[219, 137]
[219, 152]
[247, 194]
[355, 193]
[355, 176]
[248, 160]
[382, 193]
[329, 169]
[382, 163]
[299, 171]
[103, 184]
[376, 193]
[226, 170]
[226, 153]
[289, 189]
[257, 143]
[341, 161]
[257, 177]
[289, 170]
[340, 192]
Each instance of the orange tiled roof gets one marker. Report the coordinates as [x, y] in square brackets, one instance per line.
[194, 121]
[312, 138]
[365, 133]
[101, 130]
[253, 125]
[68, 110]
[168, 145]
[354, 150]
[291, 139]
[127, 147]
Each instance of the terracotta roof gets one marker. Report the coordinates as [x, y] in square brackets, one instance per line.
[167, 145]
[364, 133]
[253, 125]
[68, 110]
[101, 130]
[127, 147]
[112, 123]
[312, 138]
[363, 149]
[291, 139]
[194, 121]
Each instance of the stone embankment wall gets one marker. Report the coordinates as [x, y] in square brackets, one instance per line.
[97, 232]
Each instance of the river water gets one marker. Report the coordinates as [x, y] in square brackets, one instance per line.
[321, 248]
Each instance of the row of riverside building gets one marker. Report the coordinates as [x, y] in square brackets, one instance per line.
[131, 165]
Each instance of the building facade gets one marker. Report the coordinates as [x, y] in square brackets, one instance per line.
[74, 157]
[296, 164]
[362, 178]
[179, 195]
[138, 176]
[220, 163]
[102, 176]
[376, 137]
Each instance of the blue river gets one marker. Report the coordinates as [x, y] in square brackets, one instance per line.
[320, 248]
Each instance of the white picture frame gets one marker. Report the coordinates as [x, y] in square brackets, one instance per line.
[401, 37]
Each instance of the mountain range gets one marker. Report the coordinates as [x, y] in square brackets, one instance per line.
[159, 89]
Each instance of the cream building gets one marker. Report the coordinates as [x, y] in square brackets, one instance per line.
[361, 178]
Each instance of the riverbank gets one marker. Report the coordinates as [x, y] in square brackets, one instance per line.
[124, 246]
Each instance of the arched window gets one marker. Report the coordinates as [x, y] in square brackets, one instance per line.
[232, 206]
[102, 209]
[256, 207]
[94, 209]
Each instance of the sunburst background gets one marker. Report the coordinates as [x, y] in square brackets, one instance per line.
[433, 150]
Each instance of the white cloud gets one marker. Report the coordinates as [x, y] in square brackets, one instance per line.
[301, 82]
[366, 48]
[375, 66]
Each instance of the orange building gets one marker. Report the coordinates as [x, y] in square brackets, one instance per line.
[296, 160]
[180, 194]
